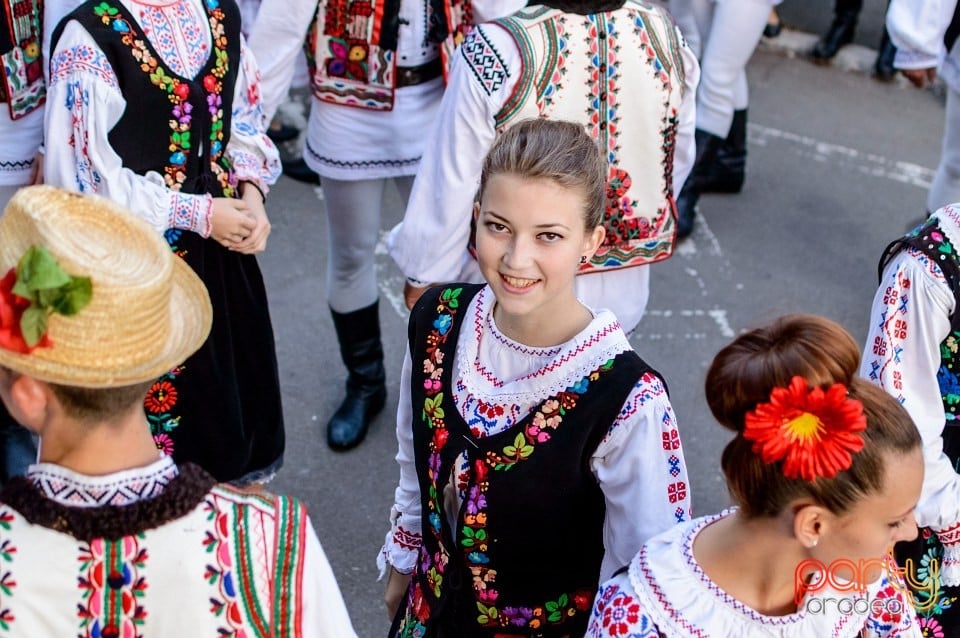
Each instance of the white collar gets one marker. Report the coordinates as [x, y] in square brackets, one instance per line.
[119, 488]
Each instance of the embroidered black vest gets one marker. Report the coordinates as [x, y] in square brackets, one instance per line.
[930, 240]
[524, 557]
[21, 64]
[195, 112]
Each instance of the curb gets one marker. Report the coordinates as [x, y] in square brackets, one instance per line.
[854, 58]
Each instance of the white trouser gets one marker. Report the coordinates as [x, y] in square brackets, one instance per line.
[946, 183]
[723, 35]
[353, 228]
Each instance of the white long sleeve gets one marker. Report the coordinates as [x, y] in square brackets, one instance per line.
[324, 612]
[917, 28]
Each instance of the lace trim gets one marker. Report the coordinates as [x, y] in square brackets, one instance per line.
[599, 342]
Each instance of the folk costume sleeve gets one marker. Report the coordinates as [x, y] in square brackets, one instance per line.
[909, 320]
[276, 40]
[617, 612]
[84, 103]
[430, 244]
[401, 547]
[686, 148]
[324, 612]
[642, 472]
[917, 28]
[253, 156]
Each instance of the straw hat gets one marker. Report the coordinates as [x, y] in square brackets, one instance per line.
[148, 311]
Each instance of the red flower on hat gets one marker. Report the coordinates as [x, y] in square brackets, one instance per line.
[813, 431]
[12, 307]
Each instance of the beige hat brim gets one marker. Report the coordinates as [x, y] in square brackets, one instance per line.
[190, 313]
[142, 292]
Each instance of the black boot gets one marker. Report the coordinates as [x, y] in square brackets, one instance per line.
[707, 146]
[362, 353]
[725, 174]
[884, 64]
[839, 34]
[298, 170]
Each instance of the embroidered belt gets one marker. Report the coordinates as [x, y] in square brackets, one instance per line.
[413, 75]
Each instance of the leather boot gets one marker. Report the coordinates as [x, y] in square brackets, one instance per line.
[839, 34]
[298, 170]
[884, 64]
[725, 174]
[707, 146]
[362, 353]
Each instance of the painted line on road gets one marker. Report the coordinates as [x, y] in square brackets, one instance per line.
[866, 163]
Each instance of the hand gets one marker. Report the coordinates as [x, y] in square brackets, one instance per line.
[412, 294]
[396, 589]
[36, 173]
[920, 77]
[231, 221]
[256, 241]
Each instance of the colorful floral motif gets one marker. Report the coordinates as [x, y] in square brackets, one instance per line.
[159, 403]
[112, 587]
[226, 602]
[7, 583]
[178, 92]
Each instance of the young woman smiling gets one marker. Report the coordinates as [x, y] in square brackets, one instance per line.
[537, 450]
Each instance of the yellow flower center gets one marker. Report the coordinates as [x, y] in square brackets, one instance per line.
[805, 427]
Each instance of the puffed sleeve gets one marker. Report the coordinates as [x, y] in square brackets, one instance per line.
[430, 244]
[909, 319]
[642, 473]
[84, 102]
[685, 148]
[402, 544]
[617, 612]
[252, 154]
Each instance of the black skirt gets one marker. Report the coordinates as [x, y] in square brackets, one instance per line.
[221, 409]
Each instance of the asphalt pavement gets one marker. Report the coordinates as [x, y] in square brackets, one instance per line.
[839, 165]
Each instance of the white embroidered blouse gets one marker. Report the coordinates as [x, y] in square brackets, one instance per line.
[639, 464]
[909, 320]
[665, 594]
[85, 101]
[235, 564]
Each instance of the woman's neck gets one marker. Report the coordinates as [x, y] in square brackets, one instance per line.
[544, 330]
[753, 560]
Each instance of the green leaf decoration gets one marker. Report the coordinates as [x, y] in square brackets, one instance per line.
[49, 289]
[33, 325]
[38, 270]
[73, 297]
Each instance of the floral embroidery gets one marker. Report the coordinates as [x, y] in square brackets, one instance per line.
[112, 587]
[617, 613]
[178, 92]
[7, 584]
[159, 403]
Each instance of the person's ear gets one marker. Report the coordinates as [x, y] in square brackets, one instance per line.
[592, 241]
[476, 211]
[810, 522]
[30, 401]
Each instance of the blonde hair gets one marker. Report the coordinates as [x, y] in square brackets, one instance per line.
[556, 150]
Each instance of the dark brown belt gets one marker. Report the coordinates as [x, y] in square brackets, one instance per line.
[413, 75]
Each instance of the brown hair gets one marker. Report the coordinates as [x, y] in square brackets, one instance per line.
[557, 150]
[745, 372]
[90, 405]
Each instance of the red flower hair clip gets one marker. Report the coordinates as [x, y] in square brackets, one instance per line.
[814, 432]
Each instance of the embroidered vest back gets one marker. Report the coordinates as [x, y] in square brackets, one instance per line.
[21, 64]
[194, 112]
[352, 49]
[524, 553]
[619, 73]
